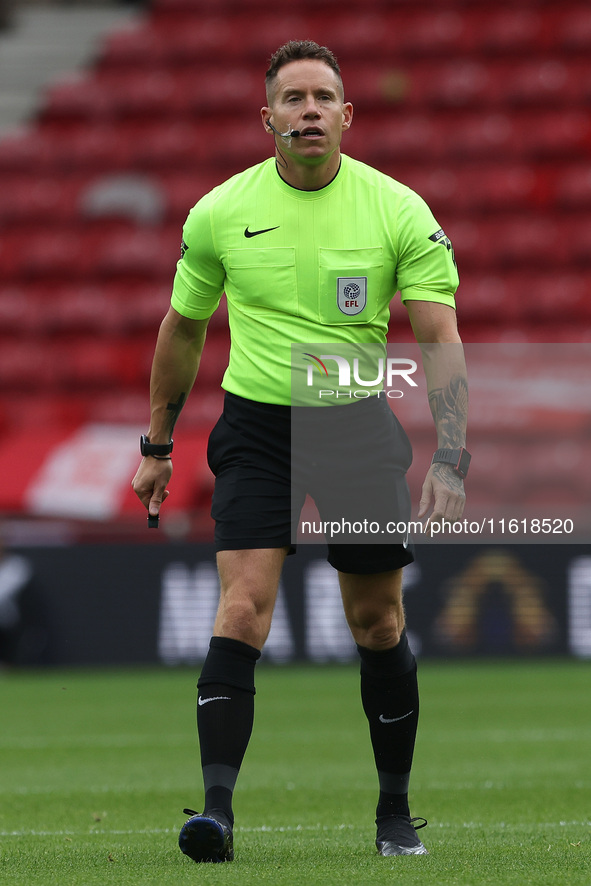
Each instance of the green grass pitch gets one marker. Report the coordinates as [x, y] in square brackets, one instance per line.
[96, 768]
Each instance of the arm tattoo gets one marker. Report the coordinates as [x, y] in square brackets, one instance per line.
[448, 478]
[175, 410]
[449, 407]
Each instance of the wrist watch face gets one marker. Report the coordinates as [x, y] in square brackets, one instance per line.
[464, 463]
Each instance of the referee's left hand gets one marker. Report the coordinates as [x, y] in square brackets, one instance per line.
[445, 490]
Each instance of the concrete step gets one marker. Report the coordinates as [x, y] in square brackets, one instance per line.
[45, 43]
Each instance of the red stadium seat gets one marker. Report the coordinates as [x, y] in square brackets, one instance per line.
[260, 35]
[112, 95]
[353, 36]
[28, 364]
[51, 252]
[136, 46]
[37, 200]
[216, 88]
[550, 82]
[141, 252]
[431, 32]
[482, 296]
[90, 363]
[215, 36]
[174, 145]
[556, 471]
[572, 187]
[66, 147]
[475, 241]
[140, 307]
[496, 476]
[497, 188]
[481, 135]
[523, 332]
[21, 151]
[531, 240]
[83, 308]
[566, 289]
[125, 406]
[391, 138]
[384, 86]
[554, 135]
[150, 94]
[519, 296]
[438, 185]
[46, 409]
[511, 31]
[20, 312]
[578, 234]
[79, 97]
[462, 83]
[574, 29]
[233, 153]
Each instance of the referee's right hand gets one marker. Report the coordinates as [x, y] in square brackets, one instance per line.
[150, 482]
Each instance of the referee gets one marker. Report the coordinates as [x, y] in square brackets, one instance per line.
[281, 239]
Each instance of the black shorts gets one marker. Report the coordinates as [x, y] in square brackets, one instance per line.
[259, 493]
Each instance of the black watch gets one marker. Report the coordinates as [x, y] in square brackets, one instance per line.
[157, 449]
[459, 459]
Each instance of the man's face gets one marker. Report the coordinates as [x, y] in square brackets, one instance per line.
[307, 96]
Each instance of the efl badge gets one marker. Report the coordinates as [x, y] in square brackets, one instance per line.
[351, 294]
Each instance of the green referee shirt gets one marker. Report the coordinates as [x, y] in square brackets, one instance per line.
[307, 266]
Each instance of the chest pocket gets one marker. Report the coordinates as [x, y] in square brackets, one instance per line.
[350, 284]
[264, 278]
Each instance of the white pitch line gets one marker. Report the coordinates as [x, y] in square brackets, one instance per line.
[268, 829]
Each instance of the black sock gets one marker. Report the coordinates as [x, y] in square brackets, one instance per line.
[390, 696]
[225, 715]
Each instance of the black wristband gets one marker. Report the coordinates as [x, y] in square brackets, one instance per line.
[155, 449]
[458, 459]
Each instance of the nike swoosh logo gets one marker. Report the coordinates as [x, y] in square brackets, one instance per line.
[248, 233]
[202, 701]
[395, 719]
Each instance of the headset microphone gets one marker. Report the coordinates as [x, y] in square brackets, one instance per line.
[288, 135]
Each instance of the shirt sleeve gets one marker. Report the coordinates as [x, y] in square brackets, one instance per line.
[426, 269]
[199, 279]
